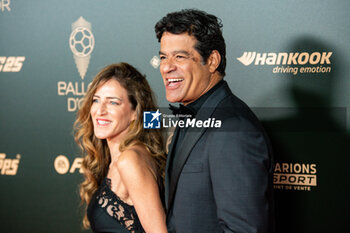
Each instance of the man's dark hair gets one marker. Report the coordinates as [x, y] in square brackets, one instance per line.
[206, 28]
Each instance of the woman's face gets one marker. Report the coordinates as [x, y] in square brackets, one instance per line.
[111, 111]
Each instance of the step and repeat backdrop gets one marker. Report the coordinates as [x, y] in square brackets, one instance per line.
[288, 60]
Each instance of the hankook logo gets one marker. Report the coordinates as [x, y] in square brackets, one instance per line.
[285, 58]
[316, 62]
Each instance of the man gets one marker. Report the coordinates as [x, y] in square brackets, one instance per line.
[217, 179]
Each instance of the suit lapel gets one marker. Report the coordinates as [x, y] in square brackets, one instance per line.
[169, 161]
[189, 141]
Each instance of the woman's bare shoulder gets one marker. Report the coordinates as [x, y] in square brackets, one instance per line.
[135, 159]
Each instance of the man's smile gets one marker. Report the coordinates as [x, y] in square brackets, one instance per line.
[173, 83]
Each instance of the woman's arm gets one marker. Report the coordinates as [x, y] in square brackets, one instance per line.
[141, 184]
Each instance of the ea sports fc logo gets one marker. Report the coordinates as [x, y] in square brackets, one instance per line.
[62, 165]
[9, 166]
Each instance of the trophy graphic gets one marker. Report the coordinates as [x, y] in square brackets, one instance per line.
[81, 42]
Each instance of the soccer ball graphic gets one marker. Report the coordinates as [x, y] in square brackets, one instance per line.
[81, 42]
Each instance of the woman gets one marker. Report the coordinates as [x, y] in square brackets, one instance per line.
[124, 161]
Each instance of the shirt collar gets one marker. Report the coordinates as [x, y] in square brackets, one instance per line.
[197, 104]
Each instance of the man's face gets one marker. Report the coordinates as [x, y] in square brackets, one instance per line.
[184, 75]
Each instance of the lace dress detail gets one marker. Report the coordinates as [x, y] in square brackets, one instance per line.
[124, 213]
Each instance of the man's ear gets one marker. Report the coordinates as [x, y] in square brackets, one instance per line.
[214, 61]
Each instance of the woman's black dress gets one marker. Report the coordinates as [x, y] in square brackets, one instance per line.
[107, 213]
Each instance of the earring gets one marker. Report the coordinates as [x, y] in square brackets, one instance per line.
[131, 124]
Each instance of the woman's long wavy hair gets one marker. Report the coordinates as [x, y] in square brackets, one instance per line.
[96, 152]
